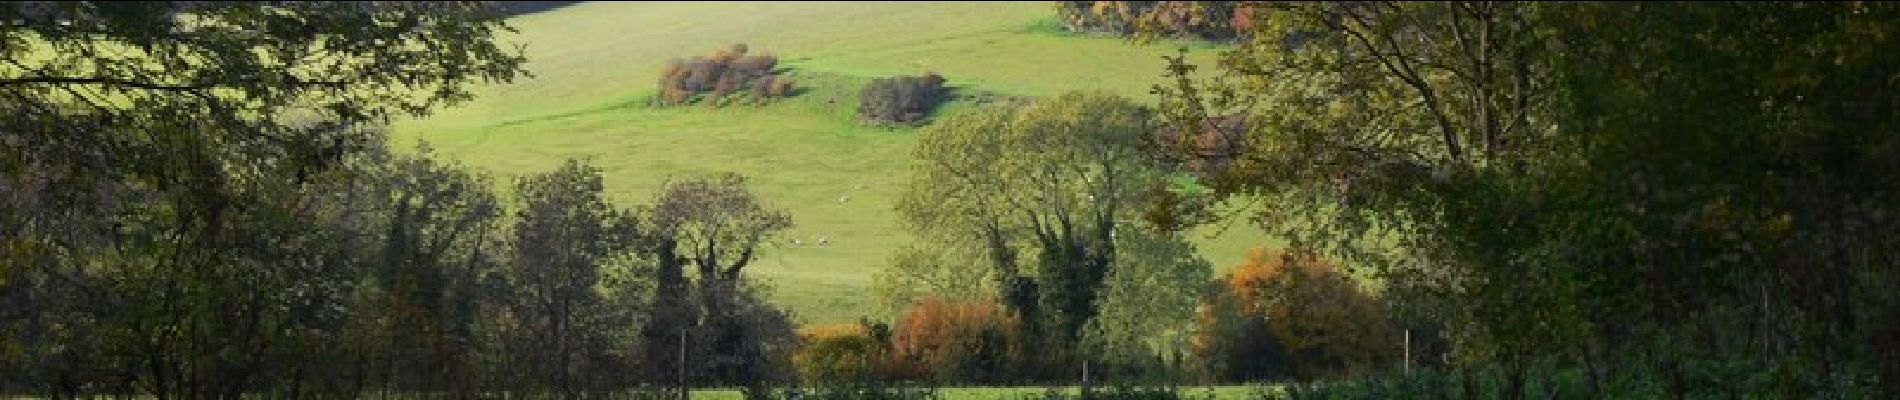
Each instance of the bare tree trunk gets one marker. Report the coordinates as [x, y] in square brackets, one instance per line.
[1672, 370]
[1467, 382]
[1592, 372]
[682, 366]
[1887, 355]
[1514, 380]
[296, 382]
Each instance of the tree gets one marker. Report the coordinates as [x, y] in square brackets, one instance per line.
[164, 167]
[1327, 325]
[1365, 122]
[1289, 315]
[1147, 308]
[1047, 185]
[1231, 341]
[1637, 188]
[715, 226]
[426, 224]
[167, 88]
[958, 342]
[566, 234]
[1744, 194]
[934, 269]
[363, 278]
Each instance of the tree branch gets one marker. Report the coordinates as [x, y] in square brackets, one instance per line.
[1404, 71]
[74, 80]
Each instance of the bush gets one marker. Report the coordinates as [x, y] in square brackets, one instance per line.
[952, 342]
[901, 100]
[1234, 344]
[1295, 316]
[717, 78]
[838, 353]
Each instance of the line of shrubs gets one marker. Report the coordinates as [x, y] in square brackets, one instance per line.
[883, 391]
[730, 75]
[722, 78]
[934, 341]
[1277, 316]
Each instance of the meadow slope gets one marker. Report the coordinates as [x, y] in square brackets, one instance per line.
[596, 63]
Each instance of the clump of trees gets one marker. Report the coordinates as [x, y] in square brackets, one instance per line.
[170, 229]
[1290, 316]
[705, 233]
[935, 340]
[722, 78]
[232, 224]
[1205, 20]
[398, 273]
[902, 100]
[1657, 199]
[1034, 202]
[945, 341]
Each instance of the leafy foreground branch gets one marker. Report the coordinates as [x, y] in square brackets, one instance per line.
[1655, 199]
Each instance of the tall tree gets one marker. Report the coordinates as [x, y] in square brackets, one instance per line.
[432, 221]
[1361, 123]
[1147, 307]
[715, 227]
[566, 234]
[1047, 185]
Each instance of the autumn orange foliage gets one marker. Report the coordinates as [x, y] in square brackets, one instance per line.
[933, 324]
[1319, 321]
[951, 340]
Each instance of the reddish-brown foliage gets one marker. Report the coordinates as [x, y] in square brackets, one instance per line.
[723, 74]
[949, 340]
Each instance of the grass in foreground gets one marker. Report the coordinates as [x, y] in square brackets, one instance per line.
[1026, 392]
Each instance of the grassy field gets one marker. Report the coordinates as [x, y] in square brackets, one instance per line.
[1015, 393]
[596, 64]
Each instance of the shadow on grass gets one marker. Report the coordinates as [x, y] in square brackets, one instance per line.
[519, 8]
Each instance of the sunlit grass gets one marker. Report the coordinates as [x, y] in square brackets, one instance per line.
[597, 63]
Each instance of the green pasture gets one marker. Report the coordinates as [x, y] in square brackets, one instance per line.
[597, 63]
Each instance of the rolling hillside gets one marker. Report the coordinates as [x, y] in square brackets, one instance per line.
[596, 63]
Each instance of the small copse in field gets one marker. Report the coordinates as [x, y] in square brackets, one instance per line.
[718, 77]
[1218, 21]
[903, 100]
